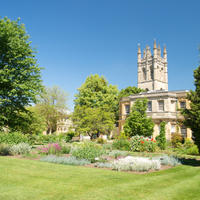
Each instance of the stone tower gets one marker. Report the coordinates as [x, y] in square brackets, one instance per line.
[152, 69]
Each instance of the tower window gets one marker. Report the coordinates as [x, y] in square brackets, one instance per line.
[161, 105]
[183, 131]
[152, 74]
[144, 74]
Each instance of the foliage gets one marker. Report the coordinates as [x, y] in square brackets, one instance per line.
[52, 106]
[96, 93]
[103, 165]
[4, 149]
[101, 140]
[136, 164]
[137, 123]
[88, 151]
[168, 160]
[50, 149]
[34, 124]
[161, 139]
[129, 91]
[141, 144]
[176, 139]
[93, 121]
[65, 149]
[13, 138]
[117, 153]
[192, 115]
[20, 149]
[121, 144]
[64, 160]
[20, 76]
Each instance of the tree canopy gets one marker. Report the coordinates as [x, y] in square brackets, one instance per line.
[96, 105]
[129, 91]
[192, 115]
[137, 123]
[20, 77]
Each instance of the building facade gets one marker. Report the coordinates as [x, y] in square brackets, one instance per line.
[163, 105]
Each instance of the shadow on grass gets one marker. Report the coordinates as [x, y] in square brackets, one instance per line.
[190, 161]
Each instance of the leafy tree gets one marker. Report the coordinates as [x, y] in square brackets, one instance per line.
[137, 123]
[96, 93]
[20, 77]
[192, 115]
[161, 139]
[52, 106]
[129, 91]
[93, 121]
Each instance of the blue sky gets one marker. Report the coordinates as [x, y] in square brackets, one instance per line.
[76, 38]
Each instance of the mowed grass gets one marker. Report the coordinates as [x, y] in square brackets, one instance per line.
[22, 179]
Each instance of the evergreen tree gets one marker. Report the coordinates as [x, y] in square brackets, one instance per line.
[192, 115]
[161, 139]
[137, 123]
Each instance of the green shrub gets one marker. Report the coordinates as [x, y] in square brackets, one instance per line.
[168, 160]
[101, 141]
[65, 149]
[88, 151]
[117, 153]
[161, 139]
[121, 144]
[67, 137]
[20, 149]
[4, 149]
[13, 138]
[141, 144]
[176, 138]
[193, 150]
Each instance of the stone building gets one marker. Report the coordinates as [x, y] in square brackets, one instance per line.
[163, 105]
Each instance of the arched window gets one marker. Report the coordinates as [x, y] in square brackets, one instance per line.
[152, 74]
[144, 74]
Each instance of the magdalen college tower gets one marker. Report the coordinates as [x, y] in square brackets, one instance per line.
[163, 105]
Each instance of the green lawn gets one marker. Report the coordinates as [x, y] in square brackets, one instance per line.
[34, 180]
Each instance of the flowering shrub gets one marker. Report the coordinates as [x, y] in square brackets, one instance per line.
[140, 144]
[136, 164]
[65, 160]
[4, 149]
[21, 148]
[53, 148]
[88, 151]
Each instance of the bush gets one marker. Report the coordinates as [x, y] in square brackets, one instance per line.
[161, 139]
[168, 160]
[65, 149]
[64, 160]
[176, 139]
[121, 144]
[141, 144]
[13, 138]
[88, 151]
[136, 164]
[193, 150]
[117, 153]
[103, 165]
[101, 141]
[4, 149]
[67, 137]
[53, 148]
[20, 149]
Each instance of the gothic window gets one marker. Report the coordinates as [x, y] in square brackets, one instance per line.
[173, 128]
[144, 74]
[161, 105]
[149, 106]
[152, 74]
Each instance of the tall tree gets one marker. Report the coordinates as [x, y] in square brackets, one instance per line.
[52, 106]
[192, 115]
[95, 105]
[137, 123]
[161, 138]
[20, 79]
[129, 91]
